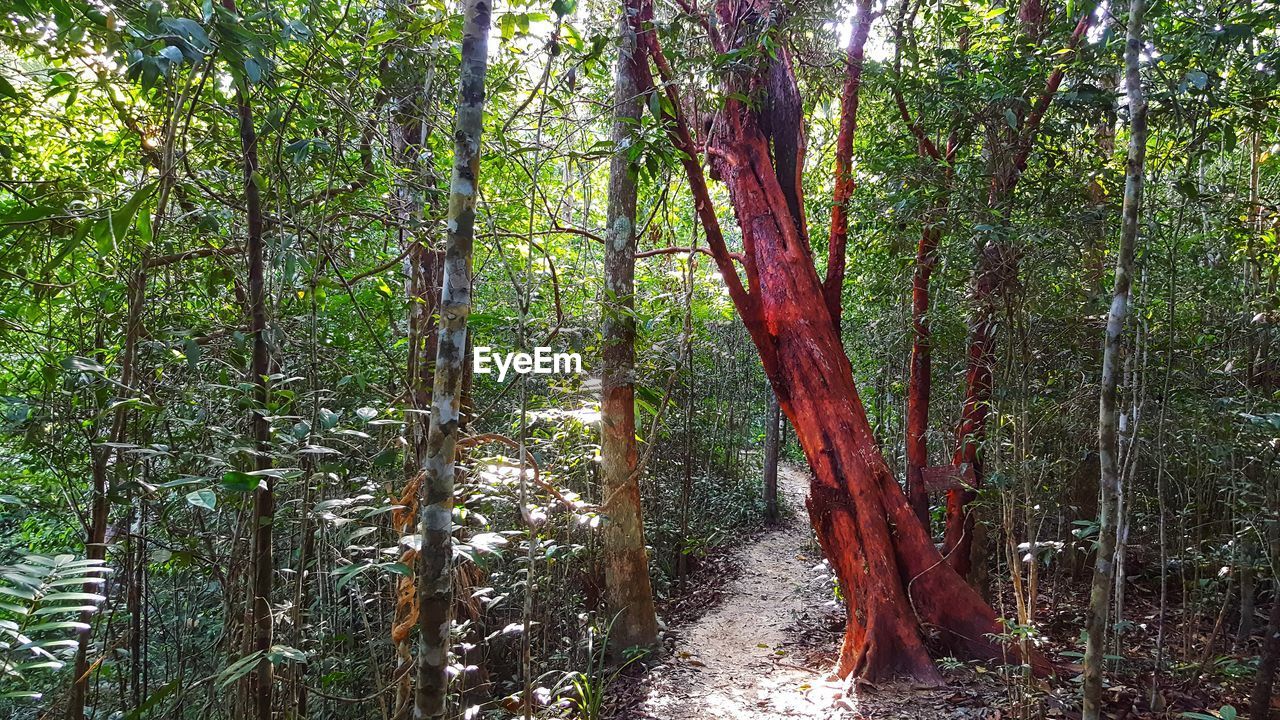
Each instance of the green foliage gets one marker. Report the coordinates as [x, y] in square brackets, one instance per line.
[41, 609]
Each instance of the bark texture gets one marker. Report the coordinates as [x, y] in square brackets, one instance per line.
[422, 270]
[838, 240]
[434, 567]
[259, 370]
[1260, 699]
[1112, 368]
[628, 590]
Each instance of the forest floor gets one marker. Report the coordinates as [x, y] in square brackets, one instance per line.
[764, 644]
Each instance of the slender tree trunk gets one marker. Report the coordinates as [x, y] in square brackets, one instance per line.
[919, 383]
[627, 585]
[772, 419]
[1248, 593]
[994, 268]
[855, 55]
[260, 625]
[408, 131]
[434, 563]
[1260, 699]
[95, 543]
[1108, 437]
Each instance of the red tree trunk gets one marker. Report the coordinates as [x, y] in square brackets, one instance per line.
[1008, 151]
[979, 373]
[920, 380]
[893, 579]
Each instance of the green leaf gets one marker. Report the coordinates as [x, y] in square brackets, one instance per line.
[122, 219]
[78, 596]
[203, 499]
[7, 89]
[563, 7]
[279, 653]
[28, 215]
[237, 481]
[152, 700]
[143, 225]
[238, 669]
[75, 363]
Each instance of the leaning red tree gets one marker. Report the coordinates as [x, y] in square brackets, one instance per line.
[898, 589]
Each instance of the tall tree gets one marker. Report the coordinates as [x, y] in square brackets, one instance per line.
[864, 524]
[411, 93]
[1260, 698]
[1011, 137]
[1112, 362]
[434, 566]
[626, 562]
[920, 368]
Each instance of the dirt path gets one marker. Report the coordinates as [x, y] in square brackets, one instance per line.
[736, 661]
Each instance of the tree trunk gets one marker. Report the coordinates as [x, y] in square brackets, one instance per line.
[893, 579]
[838, 239]
[919, 383]
[1260, 699]
[1248, 593]
[408, 132]
[993, 268]
[997, 267]
[262, 681]
[772, 420]
[434, 563]
[627, 584]
[1108, 438]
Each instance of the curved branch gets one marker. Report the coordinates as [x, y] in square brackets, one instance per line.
[1042, 103]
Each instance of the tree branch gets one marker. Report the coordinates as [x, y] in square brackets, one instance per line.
[833, 286]
[640, 15]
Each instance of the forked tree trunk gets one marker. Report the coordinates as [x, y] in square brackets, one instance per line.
[893, 579]
[434, 567]
[1112, 363]
[628, 589]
